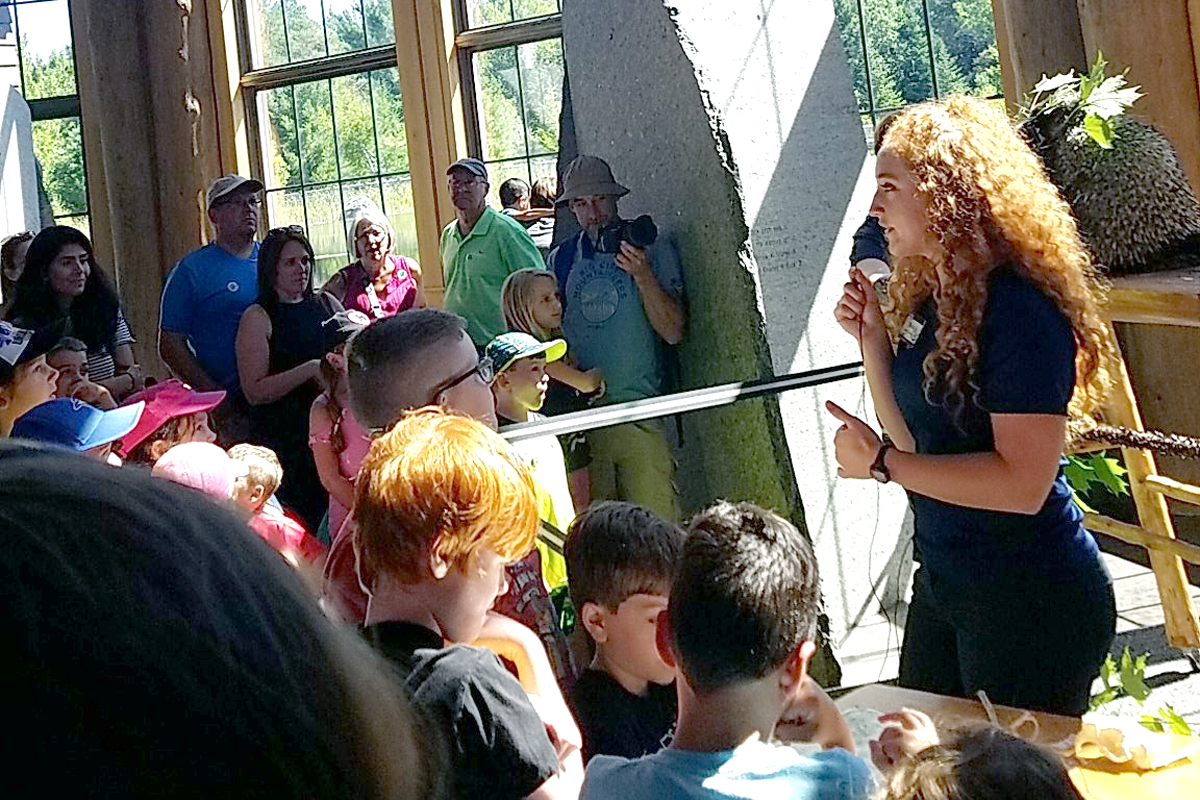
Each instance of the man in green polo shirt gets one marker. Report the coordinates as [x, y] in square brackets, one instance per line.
[479, 250]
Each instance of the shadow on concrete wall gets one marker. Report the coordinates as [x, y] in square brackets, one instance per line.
[803, 210]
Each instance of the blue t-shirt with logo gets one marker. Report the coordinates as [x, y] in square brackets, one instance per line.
[203, 298]
[604, 319]
[1026, 366]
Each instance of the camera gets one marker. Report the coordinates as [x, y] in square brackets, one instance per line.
[640, 232]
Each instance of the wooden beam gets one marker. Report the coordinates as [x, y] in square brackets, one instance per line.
[1179, 613]
[1156, 298]
[1035, 38]
[433, 117]
[1176, 490]
[1139, 536]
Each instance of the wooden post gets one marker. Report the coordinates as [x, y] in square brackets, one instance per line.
[1035, 38]
[433, 119]
[1179, 613]
[146, 94]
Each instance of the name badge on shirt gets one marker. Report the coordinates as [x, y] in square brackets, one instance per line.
[912, 329]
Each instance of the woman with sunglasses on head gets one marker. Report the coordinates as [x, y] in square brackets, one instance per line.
[991, 332]
[280, 343]
[379, 283]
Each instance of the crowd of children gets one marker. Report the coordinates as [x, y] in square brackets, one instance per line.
[695, 666]
[463, 560]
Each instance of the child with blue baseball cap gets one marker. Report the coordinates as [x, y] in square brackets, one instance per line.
[71, 423]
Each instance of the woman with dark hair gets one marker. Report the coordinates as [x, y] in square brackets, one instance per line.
[62, 285]
[12, 264]
[279, 346]
[161, 649]
[990, 334]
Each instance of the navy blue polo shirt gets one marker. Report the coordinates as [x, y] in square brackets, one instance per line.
[1026, 366]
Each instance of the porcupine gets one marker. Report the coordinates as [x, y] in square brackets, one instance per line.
[1136, 212]
[1135, 208]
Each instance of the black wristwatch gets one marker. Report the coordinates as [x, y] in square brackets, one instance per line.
[879, 469]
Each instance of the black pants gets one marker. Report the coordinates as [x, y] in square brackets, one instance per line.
[1031, 645]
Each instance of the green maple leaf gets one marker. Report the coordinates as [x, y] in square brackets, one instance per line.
[1099, 129]
[1133, 676]
[1111, 474]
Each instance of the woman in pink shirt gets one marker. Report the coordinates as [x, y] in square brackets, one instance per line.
[380, 283]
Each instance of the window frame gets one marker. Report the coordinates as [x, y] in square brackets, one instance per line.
[253, 81]
[48, 109]
[469, 42]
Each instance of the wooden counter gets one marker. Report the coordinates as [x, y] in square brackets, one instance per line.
[1095, 780]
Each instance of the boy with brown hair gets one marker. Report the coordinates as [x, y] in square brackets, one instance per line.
[26, 380]
[621, 559]
[739, 631]
[442, 506]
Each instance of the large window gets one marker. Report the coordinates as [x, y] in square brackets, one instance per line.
[511, 63]
[37, 57]
[325, 111]
[905, 51]
[323, 98]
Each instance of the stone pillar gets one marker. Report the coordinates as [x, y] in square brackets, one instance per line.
[736, 128]
[146, 90]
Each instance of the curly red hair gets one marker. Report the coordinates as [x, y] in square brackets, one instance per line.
[990, 204]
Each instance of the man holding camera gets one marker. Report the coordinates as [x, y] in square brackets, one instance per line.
[622, 301]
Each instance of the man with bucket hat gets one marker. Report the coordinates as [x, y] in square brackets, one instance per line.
[204, 296]
[479, 249]
[621, 304]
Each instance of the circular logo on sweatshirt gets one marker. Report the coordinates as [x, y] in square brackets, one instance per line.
[598, 299]
[232, 286]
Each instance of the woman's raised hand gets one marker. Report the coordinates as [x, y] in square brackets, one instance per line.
[858, 310]
[855, 443]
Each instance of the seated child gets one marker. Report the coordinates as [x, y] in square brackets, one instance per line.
[175, 413]
[519, 364]
[739, 631]
[621, 559]
[26, 380]
[442, 505]
[201, 466]
[69, 357]
[972, 764]
[251, 492]
[74, 424]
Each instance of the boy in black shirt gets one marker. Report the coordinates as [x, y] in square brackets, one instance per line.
[621, 559]
[443, 506]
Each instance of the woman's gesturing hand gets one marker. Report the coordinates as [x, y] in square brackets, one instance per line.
[855, 444]
[858, 310]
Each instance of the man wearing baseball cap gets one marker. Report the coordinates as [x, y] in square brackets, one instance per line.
[619, 309]
[479, 249]
[204, 297]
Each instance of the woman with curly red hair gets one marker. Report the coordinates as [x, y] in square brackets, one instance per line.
[992, 331]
